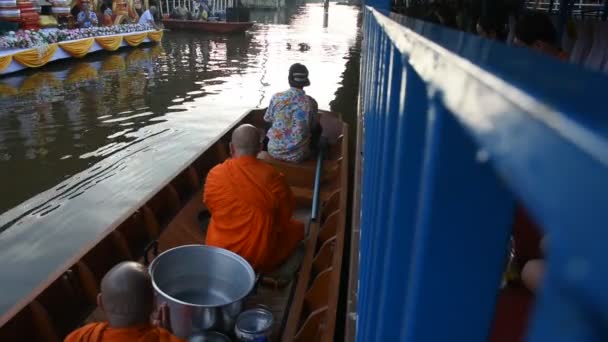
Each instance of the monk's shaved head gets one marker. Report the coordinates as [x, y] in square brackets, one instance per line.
[246, 140]
[127, 295]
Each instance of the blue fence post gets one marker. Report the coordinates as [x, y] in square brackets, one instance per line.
[369, 171]
[409, 100]
[383, 138]
[462, 230]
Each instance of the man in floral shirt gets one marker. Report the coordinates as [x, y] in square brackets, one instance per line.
[292, 115]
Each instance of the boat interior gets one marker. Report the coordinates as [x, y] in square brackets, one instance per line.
[304, 310]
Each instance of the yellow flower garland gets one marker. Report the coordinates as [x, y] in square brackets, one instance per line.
[109, 43]
[33, 59]
[155, 36]
[5, 62]
[78, 48]
[135, 39]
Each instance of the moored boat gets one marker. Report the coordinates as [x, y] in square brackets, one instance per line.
[303, 310]
[208, 26]
[15, 60]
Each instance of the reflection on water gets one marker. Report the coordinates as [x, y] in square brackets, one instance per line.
[80, 123]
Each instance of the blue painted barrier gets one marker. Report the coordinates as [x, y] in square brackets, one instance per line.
[456, 129]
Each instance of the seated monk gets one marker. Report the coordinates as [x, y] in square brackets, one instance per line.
[126, 299]
[251, 206]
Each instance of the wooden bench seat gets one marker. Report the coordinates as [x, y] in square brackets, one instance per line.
[303, 174]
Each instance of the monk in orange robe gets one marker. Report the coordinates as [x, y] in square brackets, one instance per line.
[126, 299]
[251, 206]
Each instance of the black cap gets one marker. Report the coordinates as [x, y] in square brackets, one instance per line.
[298, 76]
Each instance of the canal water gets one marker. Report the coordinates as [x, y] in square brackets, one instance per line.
[119, 121]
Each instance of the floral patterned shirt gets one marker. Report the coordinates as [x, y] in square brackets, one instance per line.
[290, 113]
[85, 22]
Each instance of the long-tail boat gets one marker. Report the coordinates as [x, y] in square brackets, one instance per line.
[304, 310]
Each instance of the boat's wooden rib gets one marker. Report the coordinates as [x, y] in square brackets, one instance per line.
[305, 309]
[307, 323]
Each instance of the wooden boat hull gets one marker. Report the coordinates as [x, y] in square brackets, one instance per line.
[207, 26]
[304, 310]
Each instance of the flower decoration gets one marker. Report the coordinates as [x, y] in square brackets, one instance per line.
[25, 39]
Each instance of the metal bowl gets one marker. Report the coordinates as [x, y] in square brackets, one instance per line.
[254, 323]
[209, 336]
[204, 287]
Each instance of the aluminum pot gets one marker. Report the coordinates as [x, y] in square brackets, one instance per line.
[203, 286]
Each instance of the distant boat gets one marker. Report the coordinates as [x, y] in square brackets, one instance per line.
[207, 26]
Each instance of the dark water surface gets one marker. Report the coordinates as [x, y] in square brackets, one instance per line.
[82, 142]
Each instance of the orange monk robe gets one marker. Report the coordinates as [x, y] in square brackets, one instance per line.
[251, 206]
[102, 332]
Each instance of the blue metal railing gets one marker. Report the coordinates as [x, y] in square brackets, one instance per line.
[456, 129]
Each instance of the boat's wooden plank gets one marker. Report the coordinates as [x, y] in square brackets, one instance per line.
[325, 257]
[312, 326]
[30, 324]
[330, 227]
[88, 283]
[304, 195]
[185, 228]
[334, 291]
[303, 279]
[330, 205]
[136, 233]
[66, 305]
[317, 295]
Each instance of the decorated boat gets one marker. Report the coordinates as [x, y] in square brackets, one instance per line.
[60, 293]
[48, 81]
[34, 49]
